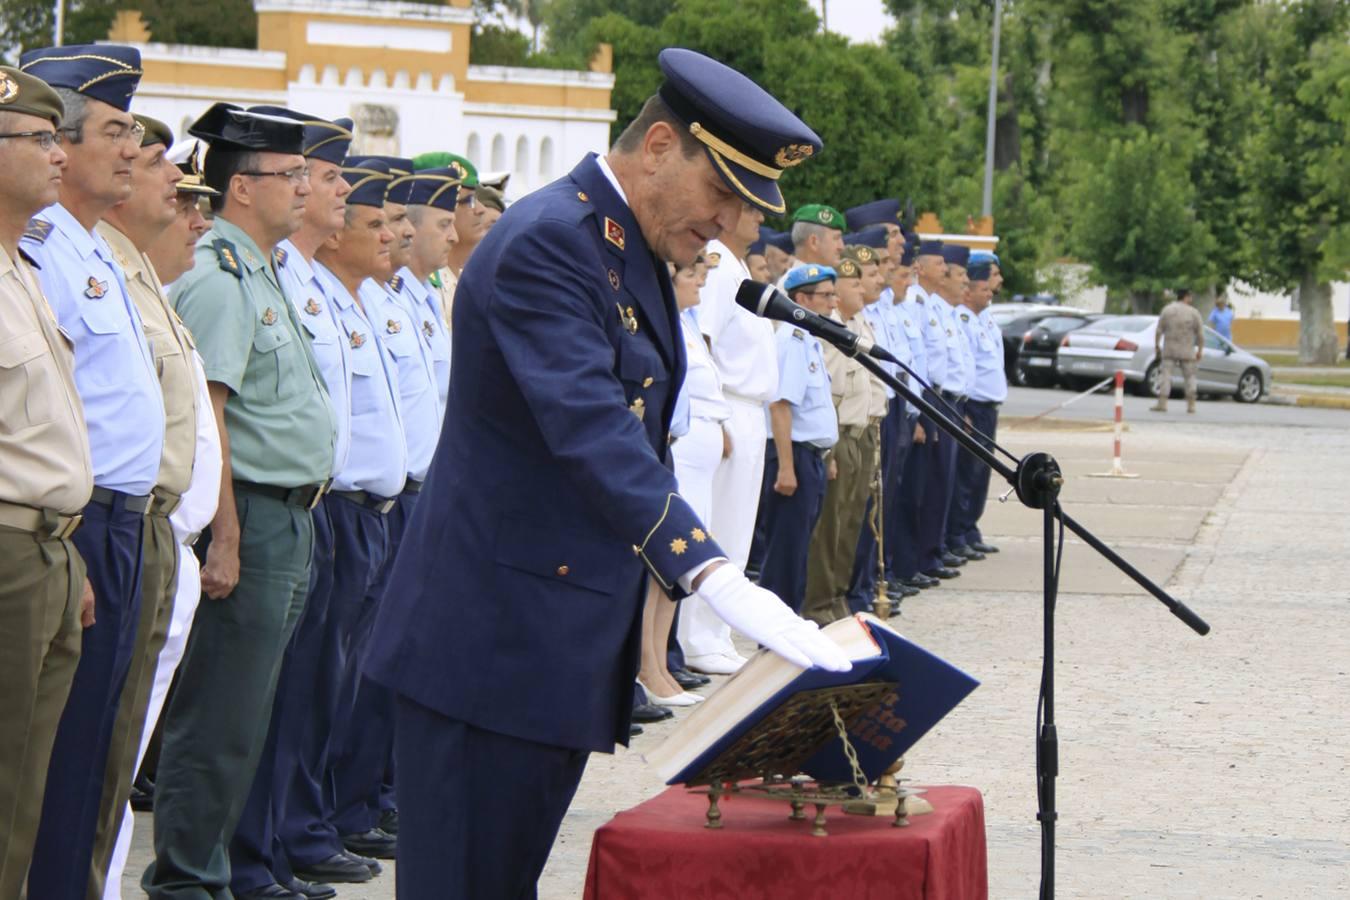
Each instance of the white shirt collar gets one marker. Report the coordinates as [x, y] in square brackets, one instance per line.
[612, 178]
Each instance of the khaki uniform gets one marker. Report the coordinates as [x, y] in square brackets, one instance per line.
[45, 481]
[172, 348]
[1182, 333]
[860, 402]
[445, 284]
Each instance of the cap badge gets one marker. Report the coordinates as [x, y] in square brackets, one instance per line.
[428, 329]
[793, 154]
[313, 307]
[358, 340]
[9, 88]
[613, 279]
[96, 288]
[613, 232]
[393, 326]
[812, 272]
[824, 216]
[269, 316]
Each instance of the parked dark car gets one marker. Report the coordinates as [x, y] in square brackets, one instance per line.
[1040, 346]
[1014, 320]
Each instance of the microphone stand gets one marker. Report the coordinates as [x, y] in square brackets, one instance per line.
[1037, 480]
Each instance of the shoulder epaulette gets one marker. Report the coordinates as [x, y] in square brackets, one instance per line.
[396, 283]
[228, 257]
[38, 230]
[28, 259]
[435, 279]
[965, 317]
[279, 256]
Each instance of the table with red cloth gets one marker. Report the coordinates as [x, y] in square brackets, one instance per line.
[660, 849]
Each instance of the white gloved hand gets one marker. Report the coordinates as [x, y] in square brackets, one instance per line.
[761, 616]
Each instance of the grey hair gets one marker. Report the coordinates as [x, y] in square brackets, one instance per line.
[77, 110]
[802, 231]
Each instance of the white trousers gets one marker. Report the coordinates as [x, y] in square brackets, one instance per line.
[736, 485]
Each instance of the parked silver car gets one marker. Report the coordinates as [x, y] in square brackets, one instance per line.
[1126, 343]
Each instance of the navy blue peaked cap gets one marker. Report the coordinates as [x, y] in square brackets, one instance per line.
[369, 179]
[749, 136]
[228, 127]
[325, 140]
[399, 167]
[955, 254]
[875, 213]
[433, 187]
[106, 72]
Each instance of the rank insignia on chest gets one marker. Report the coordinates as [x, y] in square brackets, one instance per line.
[613, 279]
[812, 368]
[279, 257]
[949, 332]
[313, 307]
[630, 322]
[96, 289]
[965, 318]
[269, 316]
[932, 323]
[393, 326]
[638, 408]
[358, 340]
[613, 232]
[396, 283]
[428, 329]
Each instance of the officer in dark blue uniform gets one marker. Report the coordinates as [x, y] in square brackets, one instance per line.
[510, 631]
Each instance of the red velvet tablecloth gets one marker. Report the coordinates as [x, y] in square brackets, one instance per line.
[660, 849]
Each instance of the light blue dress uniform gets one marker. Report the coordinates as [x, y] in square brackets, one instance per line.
[960, 357]
[425, 308]
[886, 329]
[908, 315]
[114, 367]
[934, 334]
[416, 376]
[804, 383]
[990, 384]
[311, 294]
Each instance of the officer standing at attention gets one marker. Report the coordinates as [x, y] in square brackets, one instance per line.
[130, 228]
[469, 223]
[803, 428]
[277, 433]
[817, 235]
[115, 374]
[45, 481]
[512, 625]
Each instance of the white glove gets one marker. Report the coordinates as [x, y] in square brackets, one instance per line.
[761, 616]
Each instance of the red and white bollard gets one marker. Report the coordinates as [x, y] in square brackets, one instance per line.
[1117, 470]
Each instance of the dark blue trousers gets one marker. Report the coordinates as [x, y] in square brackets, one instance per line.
[110, 542]
[479, 811]
[897, 434]
[788, 523]
[937, 498]
[363, 745]
[972, 478]
[915, 482]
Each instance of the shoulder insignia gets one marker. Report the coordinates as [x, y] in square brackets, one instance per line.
[279, 255]
[965, 317]
[269, 316]
[798, 334]
[932, 323]
[28, 259]
[396, 283]
[228, 258]
[613, 232]
[95, 289]
[435, 279]
[918, 300]
[393, 326]
[714, 260]
[38, 230]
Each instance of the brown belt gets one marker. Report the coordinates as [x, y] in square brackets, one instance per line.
[46, 523]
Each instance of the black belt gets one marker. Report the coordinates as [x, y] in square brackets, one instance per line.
[381, 505]
[994, 403]
[135, 503]
[412, 487]
[306, 496]
[812, 448]
[953, 397]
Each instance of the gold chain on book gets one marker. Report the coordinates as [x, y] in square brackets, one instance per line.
[859, 779]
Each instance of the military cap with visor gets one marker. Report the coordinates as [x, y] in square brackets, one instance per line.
[108, 73]
[750, 138]
[187, 157]
[324, 140]
[228, 127]
[29, 95]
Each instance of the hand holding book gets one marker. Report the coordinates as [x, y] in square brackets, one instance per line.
[762, 617]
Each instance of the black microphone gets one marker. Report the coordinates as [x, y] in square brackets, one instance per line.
[768, 302]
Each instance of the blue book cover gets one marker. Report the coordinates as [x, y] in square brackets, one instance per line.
[926, 689]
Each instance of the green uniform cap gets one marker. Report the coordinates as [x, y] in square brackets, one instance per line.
[490, 197]
[156, 132]
[848, 268]
[820, 214]
[28, 94]
[439, 159]
[861, 254]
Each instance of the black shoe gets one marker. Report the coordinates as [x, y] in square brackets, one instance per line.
[906, 591]
[336, 869]
[919, 580]
[650, 712]
[969, 553]
[983, 547]
[686, 679]
[942, 572]
[952, 561]
[369, 862]
[142, 800]
[634, 730]
[271, 892]
[310, 889]
[370, 843]
[389, 822]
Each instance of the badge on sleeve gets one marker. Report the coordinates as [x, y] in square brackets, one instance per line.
[613, 232]
[96, 289]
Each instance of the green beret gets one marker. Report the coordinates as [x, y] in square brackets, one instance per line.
[820, 214]
[156, 132]
[439, 159]
[28, 94]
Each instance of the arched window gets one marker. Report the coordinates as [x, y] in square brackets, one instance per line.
[498, 153]
[475, 149]
[546, 158]
[522, 157]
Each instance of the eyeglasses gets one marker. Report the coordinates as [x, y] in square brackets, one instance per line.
[116, 134]
[45, 139]
[823, 293]
[296, 176]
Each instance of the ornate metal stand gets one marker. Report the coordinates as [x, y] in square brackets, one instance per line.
[882, 603]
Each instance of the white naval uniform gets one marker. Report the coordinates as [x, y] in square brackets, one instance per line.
[195, 512]
[746, 359]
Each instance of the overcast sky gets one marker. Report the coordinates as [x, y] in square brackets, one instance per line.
[862, 21]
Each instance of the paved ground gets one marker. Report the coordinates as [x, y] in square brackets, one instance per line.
[1191, 767]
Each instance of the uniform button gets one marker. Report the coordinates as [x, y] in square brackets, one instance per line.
[581, 195]
[563, 570]
[647, 382]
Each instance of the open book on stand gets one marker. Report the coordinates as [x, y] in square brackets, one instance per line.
[774, 719]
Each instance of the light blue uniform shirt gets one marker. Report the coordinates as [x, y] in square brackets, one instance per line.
[1221, 320]
[114, 366]
[934, 335]
[804, 383]
[960, 359]
[991, 383]
[425, 308]
[879, 316]
[378, 459]
[416, 377]
[309, 289]
[907, 313]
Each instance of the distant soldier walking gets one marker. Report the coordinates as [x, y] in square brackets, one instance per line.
[1178, 340]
